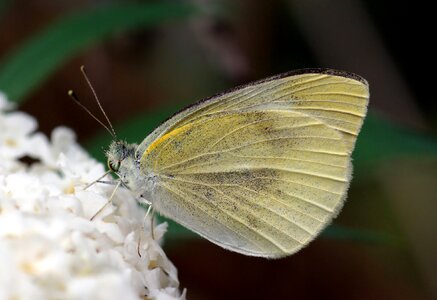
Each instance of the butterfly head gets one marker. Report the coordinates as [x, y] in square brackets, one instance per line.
[122, 161]
[118, 152]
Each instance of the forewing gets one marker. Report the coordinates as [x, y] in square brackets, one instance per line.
[338, 99]
[260, 182]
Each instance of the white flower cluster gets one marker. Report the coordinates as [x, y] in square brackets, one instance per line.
[49, 247]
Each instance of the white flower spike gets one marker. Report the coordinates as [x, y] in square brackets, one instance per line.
[49, 248]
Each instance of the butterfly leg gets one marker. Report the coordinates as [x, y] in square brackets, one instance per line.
[151, 211]
[110, 182]
[109, 201]
[152, 224]
[97, 180]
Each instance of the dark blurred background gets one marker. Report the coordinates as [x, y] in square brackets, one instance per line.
[382, 245]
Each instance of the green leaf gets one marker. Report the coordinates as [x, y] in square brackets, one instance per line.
[26, 67]
[359, 235]
[381, 141]
[4, 5]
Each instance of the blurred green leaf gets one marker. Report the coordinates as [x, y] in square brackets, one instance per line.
[359, 235]
[26, 67]
[381, 141]
[4, 5]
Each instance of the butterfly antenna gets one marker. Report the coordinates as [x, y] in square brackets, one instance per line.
[82, 69]
[76, 99]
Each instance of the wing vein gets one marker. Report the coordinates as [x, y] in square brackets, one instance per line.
[341, 94]
[218, 220]
[287, 158]
[311, 202]
[229, 150]
[332, 110]
[297, 100]
[265, 168]
[273, 242]
[284, 204]
[280, 138]
[298, 183]
[277, 214]
[240, 128]
[295, 196]
[264, 91]
[238, 95]
[319, 85]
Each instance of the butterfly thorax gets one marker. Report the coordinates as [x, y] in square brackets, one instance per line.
[122, 160]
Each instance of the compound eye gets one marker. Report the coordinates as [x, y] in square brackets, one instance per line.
[114, 166]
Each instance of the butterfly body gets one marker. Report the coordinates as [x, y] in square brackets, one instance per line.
[123, 160]
[260, 169]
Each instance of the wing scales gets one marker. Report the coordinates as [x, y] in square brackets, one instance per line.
[230, 231]
[263, 168]
[337, 93]
[245, 214]
[203, 214]
[216, 176]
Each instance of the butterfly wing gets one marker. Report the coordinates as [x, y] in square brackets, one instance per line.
[259, 177]
[262, 183]
[338, 98]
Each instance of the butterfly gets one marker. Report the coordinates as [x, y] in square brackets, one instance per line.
[260, 169]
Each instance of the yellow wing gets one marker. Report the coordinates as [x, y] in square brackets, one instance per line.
[257, 176]
[337, 98]
[260, 183]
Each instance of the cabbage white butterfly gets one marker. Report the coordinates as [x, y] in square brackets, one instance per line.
[260, 169]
